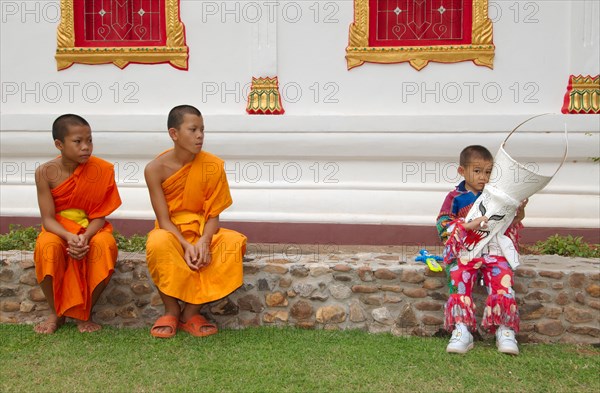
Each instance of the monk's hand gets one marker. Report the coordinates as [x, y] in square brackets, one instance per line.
[78, 252]
[83, 240]
[190, 255]
[204, 255]
[75, 248]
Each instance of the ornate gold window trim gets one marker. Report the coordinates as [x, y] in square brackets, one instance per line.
[480, 50]
[175, 52]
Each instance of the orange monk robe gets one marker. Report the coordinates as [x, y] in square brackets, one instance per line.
[195, 193]
[91, 189]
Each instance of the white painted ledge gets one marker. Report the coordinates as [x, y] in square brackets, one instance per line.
[152, 122]
[388, 169]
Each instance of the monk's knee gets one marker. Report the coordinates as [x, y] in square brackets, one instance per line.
[103, 239]
[228, 241]
[49, 246]
[49, 255]
[102, 245]
[50, 239]
[159, 238]
[162, 244]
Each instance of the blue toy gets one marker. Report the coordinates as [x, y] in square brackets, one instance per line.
[431, 260]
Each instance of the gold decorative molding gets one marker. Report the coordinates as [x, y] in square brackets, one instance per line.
[480, 50]
[583, 95]
[264, 97]
[174, 52]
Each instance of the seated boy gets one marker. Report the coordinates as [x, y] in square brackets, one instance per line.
[190, 258]
[500, 314]
[75, 253]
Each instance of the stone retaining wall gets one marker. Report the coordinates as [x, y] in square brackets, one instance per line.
[559, 298]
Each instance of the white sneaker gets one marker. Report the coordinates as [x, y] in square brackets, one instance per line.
[461, 340]
[506, 341]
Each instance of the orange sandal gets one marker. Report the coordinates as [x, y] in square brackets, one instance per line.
[169, 321]
[196, 326]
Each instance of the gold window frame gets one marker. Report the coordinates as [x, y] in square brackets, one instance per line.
[480, 50]
[174, 52]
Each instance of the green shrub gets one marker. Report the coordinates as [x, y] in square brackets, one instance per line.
[19, 238]
[567, 246]
[133, 243]
[23, 238]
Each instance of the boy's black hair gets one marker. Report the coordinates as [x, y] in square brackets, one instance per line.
[176, 115]
[473, 152]
[61, 125]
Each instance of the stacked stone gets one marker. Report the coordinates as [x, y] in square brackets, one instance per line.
[20, 296]
[129, 300]
[375, 292]
[370, 292]
[559, 305]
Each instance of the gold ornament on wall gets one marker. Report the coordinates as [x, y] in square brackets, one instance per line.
[121, 32]
[420, 31]
[583, 95]
[264, 97]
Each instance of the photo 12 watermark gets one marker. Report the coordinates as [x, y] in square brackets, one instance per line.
[470, 92]
[317, 92]
[290, 252]
[437, 172]
[23, 172]
[282, 172]
[30, 11]
[70, 92]
[326, 252]
[518, 12]
[317, 12]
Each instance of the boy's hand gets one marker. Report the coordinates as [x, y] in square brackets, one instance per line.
[520, 215]
[83, 240]
[77, 247]
[204, 255]
[476, 223]
[190, 255]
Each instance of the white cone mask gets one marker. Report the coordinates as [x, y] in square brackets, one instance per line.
[510, 183]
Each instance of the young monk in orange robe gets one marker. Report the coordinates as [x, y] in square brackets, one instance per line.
[190, 258]
[75, 253]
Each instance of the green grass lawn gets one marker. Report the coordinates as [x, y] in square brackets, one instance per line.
[281, 360]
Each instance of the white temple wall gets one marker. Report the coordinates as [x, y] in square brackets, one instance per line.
[376, 144]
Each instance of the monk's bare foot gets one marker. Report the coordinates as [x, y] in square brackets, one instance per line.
[88, 326]
[50, 325]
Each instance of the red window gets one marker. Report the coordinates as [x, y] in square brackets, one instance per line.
[119, 23]
[419, 22]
